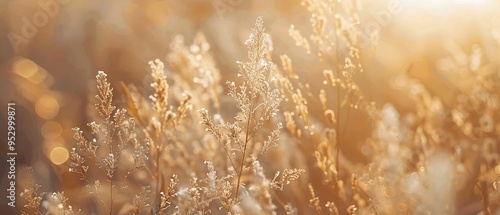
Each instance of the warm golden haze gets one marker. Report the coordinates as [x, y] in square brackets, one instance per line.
[252, 106]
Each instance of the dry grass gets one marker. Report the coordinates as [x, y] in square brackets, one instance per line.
[270, 142]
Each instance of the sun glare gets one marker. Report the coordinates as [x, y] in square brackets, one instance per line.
[444, 6]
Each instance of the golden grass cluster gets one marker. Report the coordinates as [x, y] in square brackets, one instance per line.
[268, 142]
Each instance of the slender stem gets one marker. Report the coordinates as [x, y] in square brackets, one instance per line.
[338, 101]
[158, 175]
[111, 203]
[228, 155]
[240, 173]
[97, 194]
[110, 146]
[244, 150]
[159, 149]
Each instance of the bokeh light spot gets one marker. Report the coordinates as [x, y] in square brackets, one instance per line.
[59, 155]
[47, 107]
[25, 68]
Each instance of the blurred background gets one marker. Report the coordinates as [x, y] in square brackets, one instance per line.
[51, 50]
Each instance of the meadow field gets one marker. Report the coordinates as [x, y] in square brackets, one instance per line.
[250, 107]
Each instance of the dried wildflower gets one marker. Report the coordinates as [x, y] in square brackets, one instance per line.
[260, 190]
[183, 108]
[323, 99]
[110, 162]
[314, 201]
[195, 64]
[57, 204]
[272, 140]
[290, 210]
[354, 182]
[30, 195]
[141, 200]
[332, 208]
[160, 86]
[301, 106]
[286, 63]
[166, 198]
[212, 175]
[287, 176]
[399, 172]
[352, 209]
[330, 117]
[215, 129]
[255, 98]
[217, 187]
[105, 96]
[89, 147]
[299, 39]
[496, 183]
[77, 164]
[290, 122]
[113, 134]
